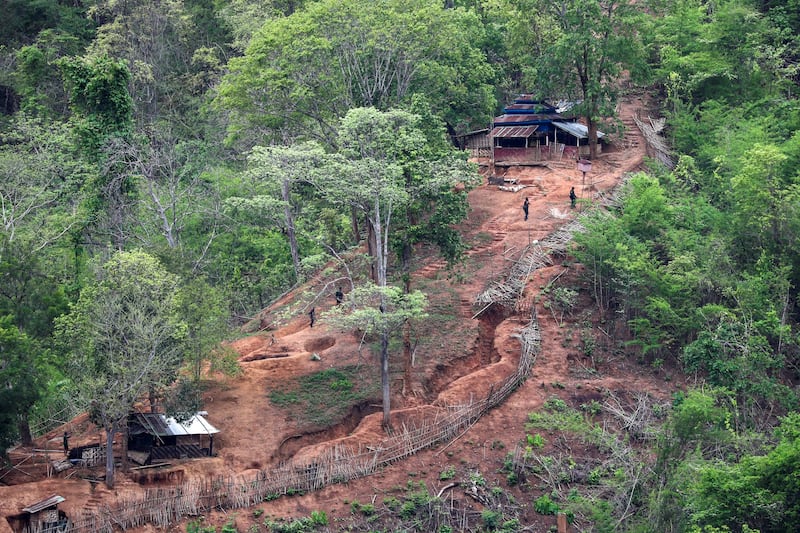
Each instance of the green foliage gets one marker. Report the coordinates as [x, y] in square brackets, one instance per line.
[447, 473]
[314, 522]
[21, 383]
[491, 519]
[202, 307]
[100, 100]
[535, 441]
[544, 505]
[367, 509]
[196, 526]
[761, 491]
[584, 49]
[123, 339]
[302, 88]
[183, 399]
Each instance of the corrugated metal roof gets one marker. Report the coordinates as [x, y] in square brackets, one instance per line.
[576, 129]
[524, 118]
[506, 132]
[53, 500]
[162, 426]
[533, 108]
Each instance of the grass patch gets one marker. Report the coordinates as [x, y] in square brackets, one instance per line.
[324, 398]
[556, 415]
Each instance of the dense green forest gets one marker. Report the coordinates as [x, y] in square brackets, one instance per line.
[168, 168]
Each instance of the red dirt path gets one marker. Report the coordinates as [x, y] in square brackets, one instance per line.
[255, 433]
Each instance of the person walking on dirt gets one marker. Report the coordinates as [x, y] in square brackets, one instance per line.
[525, 205]
[312, 315]
[572, 197]
[66, 443]
[339, 296]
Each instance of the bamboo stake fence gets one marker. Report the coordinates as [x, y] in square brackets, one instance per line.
[651, 130]
[163, 507]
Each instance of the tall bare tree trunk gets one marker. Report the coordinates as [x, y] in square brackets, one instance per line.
[110, 455]
[24, 430]
[372, 244]
[592, 127]
[354, 224]
[290, 232]
[385, 377]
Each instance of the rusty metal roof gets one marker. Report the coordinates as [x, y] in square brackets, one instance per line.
[52, 501]
[510, 119]
[506, 132]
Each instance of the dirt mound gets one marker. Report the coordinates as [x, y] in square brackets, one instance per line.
[319, 344]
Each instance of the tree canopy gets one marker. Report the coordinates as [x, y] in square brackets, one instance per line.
[124, 340]
[302, 72]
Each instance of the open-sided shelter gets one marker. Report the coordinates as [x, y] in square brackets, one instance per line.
[155, 437]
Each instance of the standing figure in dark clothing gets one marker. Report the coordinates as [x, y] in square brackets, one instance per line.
[66, 443]
[525, 207]
[572, 197]
[339, 296]
[312, 315]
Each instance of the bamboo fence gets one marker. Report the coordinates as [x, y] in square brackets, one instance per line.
[651, 130]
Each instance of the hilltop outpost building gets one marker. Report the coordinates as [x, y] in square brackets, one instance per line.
[530, 131]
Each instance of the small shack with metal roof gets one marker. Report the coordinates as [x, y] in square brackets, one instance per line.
[43, 515]
[156, 437]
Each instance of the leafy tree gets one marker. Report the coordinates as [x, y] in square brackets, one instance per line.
[36, 75]
[437, 178]
[123, 340]
[301, 73]
[101, 104]
[202, 307]
[596, 40]
[381, 311]
[761, 491]
[764, 203]
[102, 109]
[23, 20]
[275, 172]
[245, 17]
[20, 384]
[384, 171]
[154, 41]
[40, 182]
[171, 188]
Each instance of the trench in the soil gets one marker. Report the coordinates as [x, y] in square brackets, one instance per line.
[483, 353]
[293, 443]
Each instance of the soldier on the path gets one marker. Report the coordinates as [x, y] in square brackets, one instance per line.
[572, 197]
[525, 205]
[312, 315]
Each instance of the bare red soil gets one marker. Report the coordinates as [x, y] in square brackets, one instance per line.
[479, 352]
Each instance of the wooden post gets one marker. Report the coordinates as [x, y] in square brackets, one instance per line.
[561, 522]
